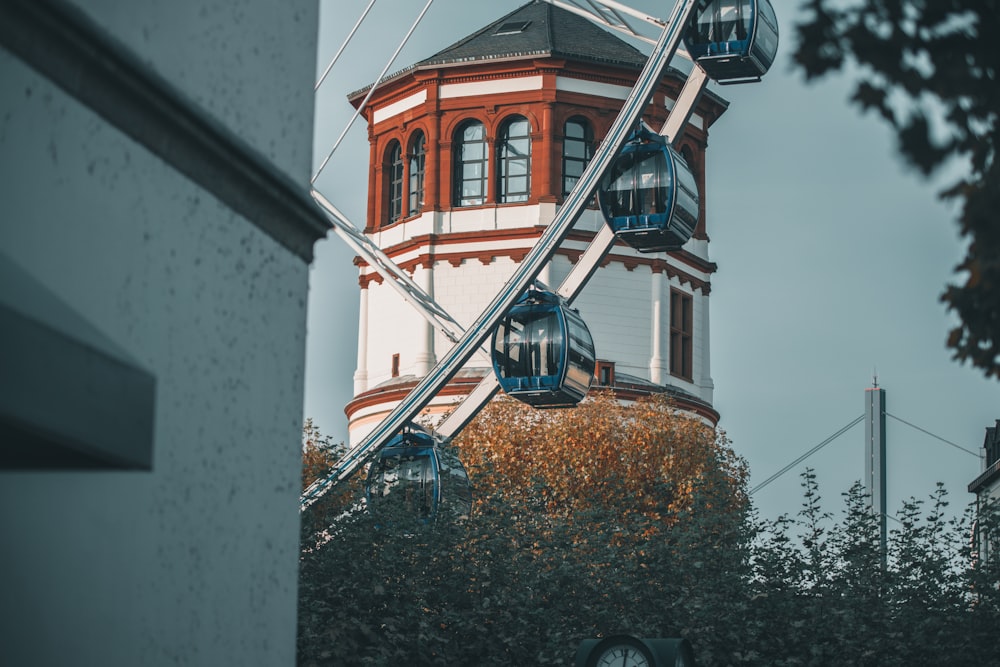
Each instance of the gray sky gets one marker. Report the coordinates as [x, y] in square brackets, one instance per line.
[832, 255]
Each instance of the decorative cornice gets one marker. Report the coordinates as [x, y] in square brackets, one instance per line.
[64, 45]
[986, 478]
[396, 392]
[395, 89]
[392, 394]
[436, 242]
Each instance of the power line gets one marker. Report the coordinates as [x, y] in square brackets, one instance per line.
[947, 442]
[806, 455]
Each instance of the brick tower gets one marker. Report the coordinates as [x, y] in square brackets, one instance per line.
[472, 152]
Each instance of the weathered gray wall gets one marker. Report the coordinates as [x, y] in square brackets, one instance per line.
[194, 562]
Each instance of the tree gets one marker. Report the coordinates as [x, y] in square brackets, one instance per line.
[587, 522]
[643, 459]
[930, 68]
[319, 454]
[527, 576]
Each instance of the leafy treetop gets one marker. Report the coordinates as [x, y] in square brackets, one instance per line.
[929, 69]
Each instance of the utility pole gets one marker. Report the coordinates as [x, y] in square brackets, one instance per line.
[875, 456]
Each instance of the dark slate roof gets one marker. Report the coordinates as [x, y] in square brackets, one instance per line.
[550, 31]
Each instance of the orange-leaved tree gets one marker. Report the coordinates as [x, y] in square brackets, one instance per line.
[604, 518]
[319, 454]
[645, 458]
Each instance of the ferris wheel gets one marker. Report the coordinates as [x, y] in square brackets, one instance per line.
[540, 349]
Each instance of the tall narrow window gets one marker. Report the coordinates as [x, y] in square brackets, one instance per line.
[681, 334]
[514, 161]
[394, 178]
[605, 372]
[417, 153]
[395, 365]
[578, 148]
[469, 162]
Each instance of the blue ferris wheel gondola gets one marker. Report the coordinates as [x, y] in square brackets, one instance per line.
[417, 477]
[543, 353]
[734, 41]
[648, 195]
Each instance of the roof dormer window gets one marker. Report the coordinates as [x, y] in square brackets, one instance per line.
[512, 28]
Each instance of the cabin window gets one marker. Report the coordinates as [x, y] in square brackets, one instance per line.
[514, 161]
[681, 334]
[470, 160]
[394, 177]
[725, 21]
[578, 149]
[581, 345]
[418, 155]
[766, 37]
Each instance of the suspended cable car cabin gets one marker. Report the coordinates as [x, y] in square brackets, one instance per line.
[734, 41]
[416, 477]
[543, 353]
[648, 195]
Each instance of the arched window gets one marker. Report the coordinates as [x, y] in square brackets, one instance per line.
[578, 149]
[469, 164]
[418, 153]
[514, 161]
[394, 178]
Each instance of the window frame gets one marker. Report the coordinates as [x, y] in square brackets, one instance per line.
[682, 335]
[604, 373]
[459, 164]
[394, 180]
[416, 176]
[589, 143]
[505, 160]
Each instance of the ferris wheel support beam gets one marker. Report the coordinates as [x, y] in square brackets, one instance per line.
[347, 41]
[609, 14]
[394, 276]
[601, 244]
[588, 262]
[371, 91]
[530, 267]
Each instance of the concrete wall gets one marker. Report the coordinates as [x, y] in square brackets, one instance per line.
[195, 561]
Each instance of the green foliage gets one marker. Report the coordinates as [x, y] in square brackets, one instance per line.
[523, 579]
[826, 594]
[319, 454]
[577, 532]
[929, 68]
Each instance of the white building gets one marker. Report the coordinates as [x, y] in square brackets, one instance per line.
[472, 152]
[154, 249]
[987, 487]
